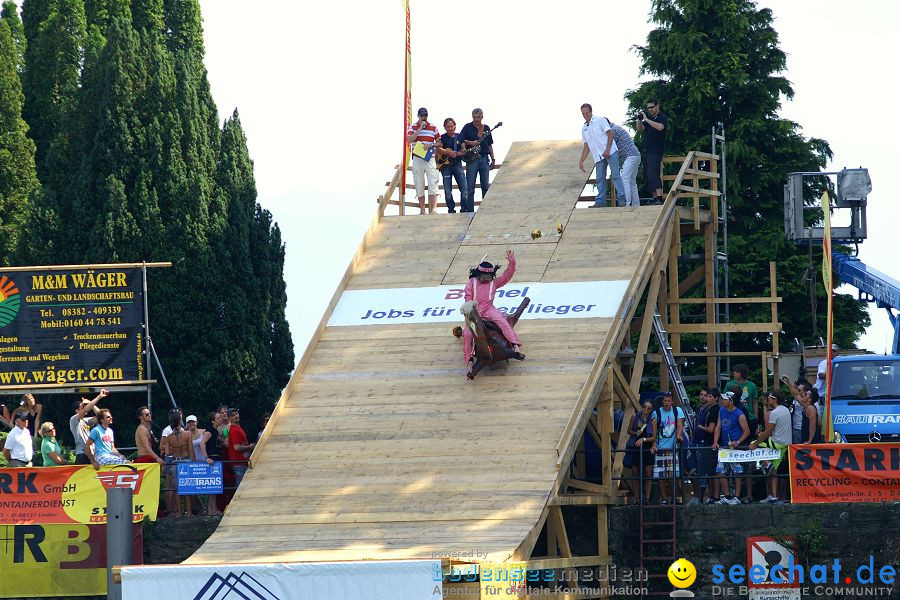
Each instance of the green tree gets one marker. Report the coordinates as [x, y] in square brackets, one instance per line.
[10, 14]
[136, 168]
[55, 30]
[720, 62]
[18, 179]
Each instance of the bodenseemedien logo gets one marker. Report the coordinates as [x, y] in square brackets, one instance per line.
[9, 300]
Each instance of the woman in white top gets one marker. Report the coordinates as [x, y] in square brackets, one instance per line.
[199, 452]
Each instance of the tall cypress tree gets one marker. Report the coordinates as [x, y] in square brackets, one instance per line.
[10, 14]
[139, 169]
[720, 62]
[55, 30]
[254, 315]
[18, 180]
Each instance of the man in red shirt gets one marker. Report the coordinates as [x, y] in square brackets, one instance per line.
[427, 134]
[239, 447]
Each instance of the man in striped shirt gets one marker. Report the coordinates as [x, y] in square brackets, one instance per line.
[427, 134]
[630, 158]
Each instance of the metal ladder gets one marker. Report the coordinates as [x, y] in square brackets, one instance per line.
[669, 359]
[658, 540]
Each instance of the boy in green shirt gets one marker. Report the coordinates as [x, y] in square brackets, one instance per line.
[749, 398]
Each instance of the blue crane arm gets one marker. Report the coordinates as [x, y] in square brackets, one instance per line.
[882, 289]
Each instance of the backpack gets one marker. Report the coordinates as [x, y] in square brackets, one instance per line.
[685, 436]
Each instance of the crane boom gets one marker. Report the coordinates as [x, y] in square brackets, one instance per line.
[880, 288]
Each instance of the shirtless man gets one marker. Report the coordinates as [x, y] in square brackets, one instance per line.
[144, 438]
[178, 447]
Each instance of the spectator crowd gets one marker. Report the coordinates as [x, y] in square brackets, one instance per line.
[221, 438]
[662, 448]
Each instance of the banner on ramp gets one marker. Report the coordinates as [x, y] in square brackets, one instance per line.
[399, 580]
[440, 304]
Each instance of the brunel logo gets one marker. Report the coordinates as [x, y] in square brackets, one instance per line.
[9, 300]
[234, 587]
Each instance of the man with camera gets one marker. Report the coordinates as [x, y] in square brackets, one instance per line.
[653, 123]
[424, 133]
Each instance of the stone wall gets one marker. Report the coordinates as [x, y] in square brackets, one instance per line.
[710, 535]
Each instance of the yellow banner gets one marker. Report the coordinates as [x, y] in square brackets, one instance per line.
[55, 560]
[75, 494]
[407, 106]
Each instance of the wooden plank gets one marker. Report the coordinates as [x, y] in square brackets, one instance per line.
[587, 486]
[760, 300]
[586, 499]
[650, 304]
[697, 191]
[709, 266]
[602, 532]
[562, 536]
[727, 328]
[564, 563]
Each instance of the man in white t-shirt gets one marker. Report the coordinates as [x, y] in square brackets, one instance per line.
[598, 141]
[779, 436]
[822, 371]
[18, 447]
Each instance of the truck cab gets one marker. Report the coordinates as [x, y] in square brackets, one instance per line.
[865, 398]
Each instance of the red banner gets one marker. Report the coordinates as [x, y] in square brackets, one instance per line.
[845, 473]
[74, 494]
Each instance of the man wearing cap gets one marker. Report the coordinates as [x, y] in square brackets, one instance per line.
[18, 448]
[239, 447]
[424, 133]
[80, 424]
[732, 430]
[778, 435]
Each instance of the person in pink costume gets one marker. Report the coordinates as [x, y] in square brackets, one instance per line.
[483, 284]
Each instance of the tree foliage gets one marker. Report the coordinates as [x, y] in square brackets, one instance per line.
[134, 165]
[18, 180]
[719, 62]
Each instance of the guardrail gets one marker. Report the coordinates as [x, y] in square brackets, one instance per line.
[387, 199]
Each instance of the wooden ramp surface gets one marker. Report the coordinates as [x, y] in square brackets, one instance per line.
[383, 449]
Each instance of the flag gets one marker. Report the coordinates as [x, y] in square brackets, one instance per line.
[407, 111]
[828, 425]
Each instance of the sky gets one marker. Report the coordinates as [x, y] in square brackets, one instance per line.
[319, 89]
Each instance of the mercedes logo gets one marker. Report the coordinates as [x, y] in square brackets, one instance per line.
[874, 437]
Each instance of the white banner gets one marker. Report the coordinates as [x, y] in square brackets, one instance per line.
[729, 455]
[440, 304]
[368, 580]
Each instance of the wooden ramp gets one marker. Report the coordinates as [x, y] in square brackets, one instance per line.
[381, 449]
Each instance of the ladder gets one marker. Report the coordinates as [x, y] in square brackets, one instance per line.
[669, 359]
[658, 534]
